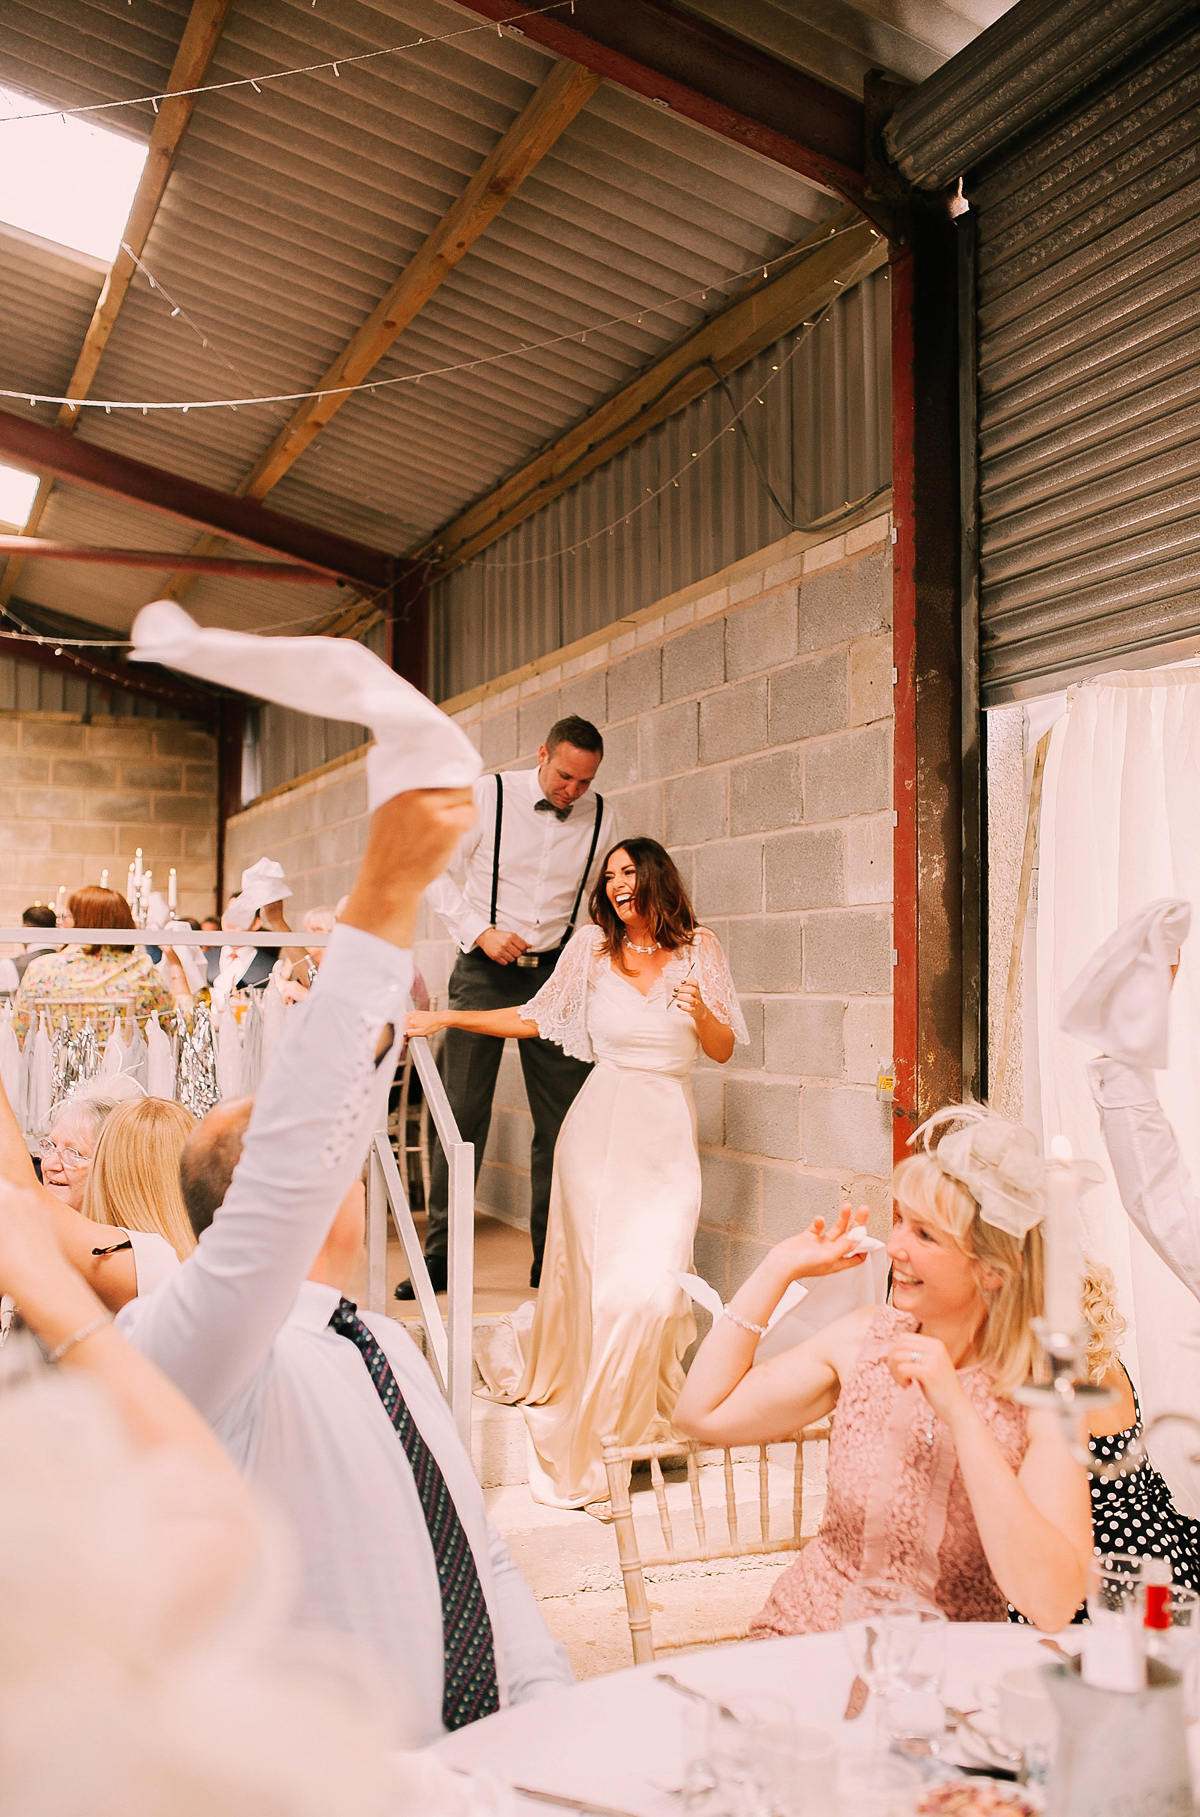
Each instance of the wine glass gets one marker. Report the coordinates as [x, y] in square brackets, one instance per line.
[880, 1633]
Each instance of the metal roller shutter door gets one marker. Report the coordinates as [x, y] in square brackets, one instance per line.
[1088, 323]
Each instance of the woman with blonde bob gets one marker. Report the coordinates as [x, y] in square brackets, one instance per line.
[938, 1480]
[134, 1185]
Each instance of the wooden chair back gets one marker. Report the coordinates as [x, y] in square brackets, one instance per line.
[718, 1530]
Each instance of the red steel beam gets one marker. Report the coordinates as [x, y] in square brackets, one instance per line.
[32, 548]
[708, 76]
[30, 444]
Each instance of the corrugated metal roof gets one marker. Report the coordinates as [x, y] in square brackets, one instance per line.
[839, 41]
[290, 212]
[47, 296]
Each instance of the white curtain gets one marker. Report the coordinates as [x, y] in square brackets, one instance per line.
[1120, 826]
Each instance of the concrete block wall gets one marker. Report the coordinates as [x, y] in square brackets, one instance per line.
[78, 797]
[747, 724]
[316, 828]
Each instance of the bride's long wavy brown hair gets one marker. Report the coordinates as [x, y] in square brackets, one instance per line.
[662, 900]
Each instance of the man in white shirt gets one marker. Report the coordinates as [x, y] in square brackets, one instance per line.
[13, 970]
[512, 898]
[335, 1417]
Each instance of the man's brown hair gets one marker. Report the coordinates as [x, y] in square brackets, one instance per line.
[209, 1157]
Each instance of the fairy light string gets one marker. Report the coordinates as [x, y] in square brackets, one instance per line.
[634, 316]
[336, 64]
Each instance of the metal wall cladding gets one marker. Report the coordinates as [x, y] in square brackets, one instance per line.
[1089, 379]
[1030, 64]
[291, 744]
[27, 688]
[682, 502]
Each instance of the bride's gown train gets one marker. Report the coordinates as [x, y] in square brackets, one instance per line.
[602, 1351]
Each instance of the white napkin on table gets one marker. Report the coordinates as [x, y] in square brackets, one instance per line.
[416, 745]
[1119, 1002]
[160, 1060]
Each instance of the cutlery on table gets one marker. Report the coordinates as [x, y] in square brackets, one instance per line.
[675, 1684]
[566, 1803]
[992, 1743]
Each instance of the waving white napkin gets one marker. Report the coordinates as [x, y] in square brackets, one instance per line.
[1119, 1002]
[262, 883]
[416, 745]
[160, 1060]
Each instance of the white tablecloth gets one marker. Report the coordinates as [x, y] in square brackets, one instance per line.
[618, 1739]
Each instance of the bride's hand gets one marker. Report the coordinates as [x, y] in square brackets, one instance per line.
[688, 999]
[422, 1022]
[818, 1250]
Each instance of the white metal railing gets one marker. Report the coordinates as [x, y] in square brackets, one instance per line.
[154, 936]
[451, 1347]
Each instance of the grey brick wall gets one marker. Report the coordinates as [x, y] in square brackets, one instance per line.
[750, 729]
[77, 798]
[747, 723]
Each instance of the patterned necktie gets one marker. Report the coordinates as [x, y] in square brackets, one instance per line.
[470, 1690]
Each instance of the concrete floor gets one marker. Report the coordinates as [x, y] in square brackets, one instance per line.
[570, 1559]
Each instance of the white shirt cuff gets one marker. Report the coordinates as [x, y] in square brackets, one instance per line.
[1118, 1086]
[363, 968]
[469, 930]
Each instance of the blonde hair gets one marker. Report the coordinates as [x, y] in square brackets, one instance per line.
[1106, 1327]
[1007, 1348]
[134, 1179]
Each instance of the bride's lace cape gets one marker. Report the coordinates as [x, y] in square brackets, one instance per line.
[560, 1007]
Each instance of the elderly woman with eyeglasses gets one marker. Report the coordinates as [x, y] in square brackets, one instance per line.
[117, 1262]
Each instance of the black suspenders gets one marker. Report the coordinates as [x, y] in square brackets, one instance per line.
[496, 853]
[586, 869]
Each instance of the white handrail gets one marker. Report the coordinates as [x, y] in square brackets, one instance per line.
[154, 936]
[451, 1347]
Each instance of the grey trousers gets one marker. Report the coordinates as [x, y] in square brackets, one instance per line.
[470, 1064]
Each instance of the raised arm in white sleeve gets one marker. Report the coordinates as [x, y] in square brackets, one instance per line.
[534, 1664]
[210, 1326]
[445, 896]
[1155, 1186]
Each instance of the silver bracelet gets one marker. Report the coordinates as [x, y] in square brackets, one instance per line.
[85, 1331]
[746, 1324]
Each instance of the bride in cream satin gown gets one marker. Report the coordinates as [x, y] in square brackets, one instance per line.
[602, 1352]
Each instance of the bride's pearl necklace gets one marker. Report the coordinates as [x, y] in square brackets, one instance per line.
[635, 948]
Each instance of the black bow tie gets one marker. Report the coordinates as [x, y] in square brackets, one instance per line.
[547, 807]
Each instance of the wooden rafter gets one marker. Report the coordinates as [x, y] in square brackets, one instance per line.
[201, 35]
[541, 122]
[835, 256]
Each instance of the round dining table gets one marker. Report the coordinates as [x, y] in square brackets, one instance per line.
[617, 1742]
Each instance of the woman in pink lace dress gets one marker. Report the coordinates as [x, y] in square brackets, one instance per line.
[937, 1479]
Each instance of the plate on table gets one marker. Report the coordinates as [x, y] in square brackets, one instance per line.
[980, 1798]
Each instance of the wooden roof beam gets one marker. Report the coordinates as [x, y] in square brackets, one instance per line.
[542, 121]
[710, 77]
[201, 35]
[834, 257]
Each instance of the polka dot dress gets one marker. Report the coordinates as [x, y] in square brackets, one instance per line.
[1134, 1513]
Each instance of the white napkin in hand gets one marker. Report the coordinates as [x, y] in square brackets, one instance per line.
[1119, 1002]
[416, 745]
[264, 882]
[710, 1299]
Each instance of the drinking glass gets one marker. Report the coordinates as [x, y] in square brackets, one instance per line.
[916, 1715]
[880, 1635]
[752, 1759]
[1115, 1586]
[1176, 1645]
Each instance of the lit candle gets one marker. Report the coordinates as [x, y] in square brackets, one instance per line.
[147, 886]
[104, 880]
[172, 897]
[61, 904]
[137, 864]
[1064, 1253]
[131, 887]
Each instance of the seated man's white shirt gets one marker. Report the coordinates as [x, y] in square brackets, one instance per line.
[243, 1334]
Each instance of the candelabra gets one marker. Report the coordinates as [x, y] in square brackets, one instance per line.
[139, 888]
